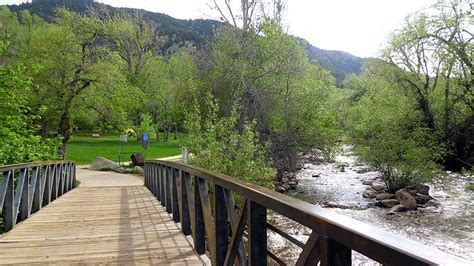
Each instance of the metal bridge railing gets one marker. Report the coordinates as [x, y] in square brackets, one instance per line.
[203, 202]
[26, 188]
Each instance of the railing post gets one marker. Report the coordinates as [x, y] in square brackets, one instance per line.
[156, 179]
[9, 201]
[73, 175]
[174, 191]
[145, 171]
[23, 196]
[220, 225]
[61, 180]
[183, 203]
[54, 183]
[257, 230]
[334, 253]
[47, 185]
[36, 204]
[163, 184]
[169, 190]
[198, 221]
[153, 180]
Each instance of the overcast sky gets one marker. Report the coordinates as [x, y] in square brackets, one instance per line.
[360, 27]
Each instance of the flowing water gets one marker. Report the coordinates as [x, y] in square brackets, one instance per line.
[446, 223]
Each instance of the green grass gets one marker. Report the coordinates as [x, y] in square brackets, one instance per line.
[84, 149]
[470, 187]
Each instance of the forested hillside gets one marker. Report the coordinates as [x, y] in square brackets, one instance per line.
[185, 33]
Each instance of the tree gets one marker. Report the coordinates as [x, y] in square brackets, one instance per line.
[434, 52]
[72, 59]
[389, 131]
[267, 73]
[20, 141]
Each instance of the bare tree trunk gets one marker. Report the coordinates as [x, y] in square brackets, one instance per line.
[158, 135]
[167, 133]
[175, 131]
[65, 132]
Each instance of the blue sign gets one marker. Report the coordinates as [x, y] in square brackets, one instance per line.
[145, 137]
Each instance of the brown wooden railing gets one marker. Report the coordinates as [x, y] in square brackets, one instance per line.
[203, 202]
[25, 188]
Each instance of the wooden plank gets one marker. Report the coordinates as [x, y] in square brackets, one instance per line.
[99, 225]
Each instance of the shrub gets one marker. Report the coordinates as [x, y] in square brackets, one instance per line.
[217, 145]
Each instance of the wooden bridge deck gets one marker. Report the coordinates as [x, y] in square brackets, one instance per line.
[109, 218]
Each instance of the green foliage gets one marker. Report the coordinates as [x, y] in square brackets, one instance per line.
[217, 145]
[390, 134]
[20, 142]
[471, 187]
[146, 126]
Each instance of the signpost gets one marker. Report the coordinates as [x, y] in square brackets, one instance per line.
[185, 155]
[123, 139]
[145, 140]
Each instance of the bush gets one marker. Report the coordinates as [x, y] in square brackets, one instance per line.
[18, 135]
[217, 145]
[392, 137]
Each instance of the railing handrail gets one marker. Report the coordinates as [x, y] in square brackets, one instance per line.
[8, 167]
[375, 243]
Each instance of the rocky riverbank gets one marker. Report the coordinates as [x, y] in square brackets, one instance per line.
[445, 222]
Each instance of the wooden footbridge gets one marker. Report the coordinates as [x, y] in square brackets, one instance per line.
[180, 215]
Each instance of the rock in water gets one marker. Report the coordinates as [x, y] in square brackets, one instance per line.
[280, 189]
[367, 182]
[293, 184]
[406, 199]
[369, 193]
[378, 186]
[422, 189]
[384, 195]
[104, 164]
[422, 199]
[389, 203]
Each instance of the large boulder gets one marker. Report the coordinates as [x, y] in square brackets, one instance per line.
[406, 199]
[104, 164]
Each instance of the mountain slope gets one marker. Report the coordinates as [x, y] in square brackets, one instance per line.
[180, 32]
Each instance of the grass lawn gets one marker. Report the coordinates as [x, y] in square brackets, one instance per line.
[84, 149]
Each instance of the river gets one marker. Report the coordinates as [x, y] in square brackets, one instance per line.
[447, 223]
